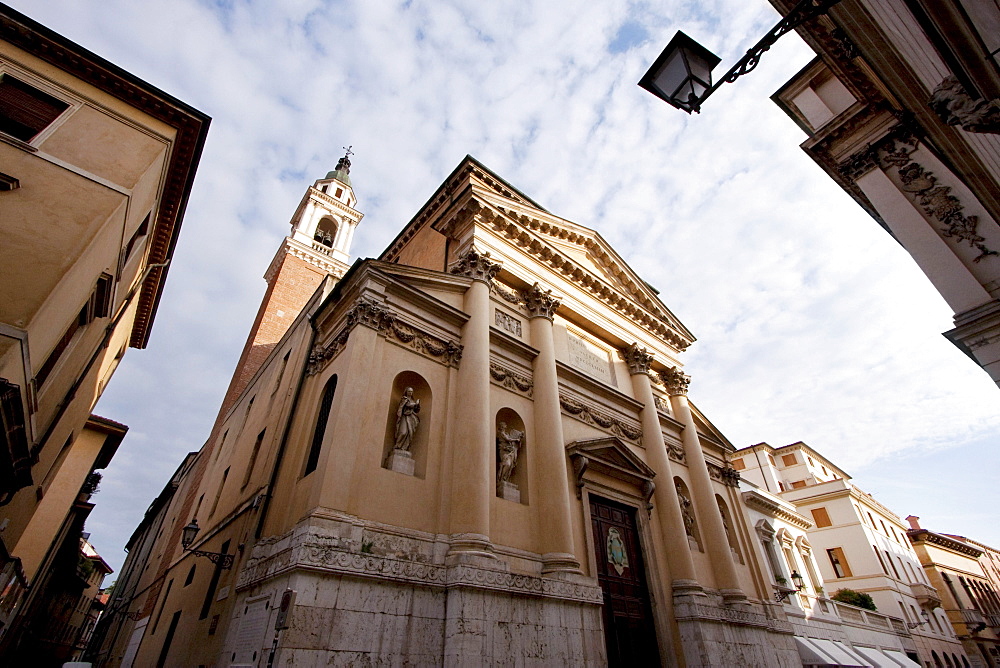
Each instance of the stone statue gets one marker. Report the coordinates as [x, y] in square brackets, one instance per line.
[508, 445]
[686, 510]
[407, 420]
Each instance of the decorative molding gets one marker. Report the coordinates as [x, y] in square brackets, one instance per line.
[893, 153]
[768, 507]
[475, 265]
[638, 306]
[727, 475]
[388, 324]
[540, 303]
[638, 359]
[594, 416]
[705, 612]
[955, 106]
[676, 381]
[507, 322]
[511, 380]
[675, 450]
[662, 404]
[612, 457]
[843, 47]
[314, 553]
[507, 294]
[943, 541]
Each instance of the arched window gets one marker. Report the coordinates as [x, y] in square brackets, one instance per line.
[321, 419]
[326, 232]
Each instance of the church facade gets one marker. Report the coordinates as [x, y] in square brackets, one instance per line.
[476, 448]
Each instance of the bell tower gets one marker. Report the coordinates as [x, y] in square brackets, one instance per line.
[318, 246]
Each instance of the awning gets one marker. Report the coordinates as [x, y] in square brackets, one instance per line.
[841, 657]
[901, 658]
[815, 652]
[879, 659]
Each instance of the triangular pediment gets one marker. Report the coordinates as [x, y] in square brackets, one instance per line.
[613, 456]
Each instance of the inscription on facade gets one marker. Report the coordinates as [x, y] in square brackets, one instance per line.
[508, 323]
[589, 359]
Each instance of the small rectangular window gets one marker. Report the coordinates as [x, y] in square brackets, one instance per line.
[738, 464]
[789, 460]
[839, 562]
[821, 517]
[798, 484]
[139, 233]
[24, 110]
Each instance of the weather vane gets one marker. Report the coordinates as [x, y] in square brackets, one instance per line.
[348, 149]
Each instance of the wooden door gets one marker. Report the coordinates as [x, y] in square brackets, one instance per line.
[628, 618]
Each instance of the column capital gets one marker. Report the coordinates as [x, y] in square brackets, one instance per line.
[638, 359]
[676, 381]
[476, 266]
[540, 303]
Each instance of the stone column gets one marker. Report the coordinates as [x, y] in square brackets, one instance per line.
[472, 426]
[550, 448]
[668, 509]
[706, 506]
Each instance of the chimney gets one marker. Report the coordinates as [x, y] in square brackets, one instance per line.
[914, 522]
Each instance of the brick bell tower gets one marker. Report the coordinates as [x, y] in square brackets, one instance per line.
[318, 246]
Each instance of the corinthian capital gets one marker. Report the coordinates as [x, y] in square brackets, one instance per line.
[676, 381]
[540, 303]
[638, 359]
[476, 266]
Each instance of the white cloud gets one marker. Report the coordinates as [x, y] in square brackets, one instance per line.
[813, 323]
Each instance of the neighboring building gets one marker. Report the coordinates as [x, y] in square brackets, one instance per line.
[901, 109]
[956, 566]
[859, 543]
[827, 632]
[96, 170]
[477, 448]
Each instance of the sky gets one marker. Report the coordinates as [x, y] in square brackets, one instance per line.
[813, 324]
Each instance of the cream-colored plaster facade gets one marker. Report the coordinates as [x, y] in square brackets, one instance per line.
[499, 318]
[955, 566]
[858, 543]
[95, 170]
[870, 637]
[902, 110]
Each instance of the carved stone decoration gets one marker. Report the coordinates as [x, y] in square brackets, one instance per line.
[662, 404]
[726, 474]
[687, 511]
[476, 266]
[676, 381]
[921, 185]
[510, 379]
[407, 420]
[593, 416]
[506, 294]
[509, 443]
[846, 49]
[955, 106]
[637, 359]
[675, 451]
[540, 303]
[446, 352]
[507, 322]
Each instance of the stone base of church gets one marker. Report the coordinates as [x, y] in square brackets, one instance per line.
[374, 595]
[714, 634]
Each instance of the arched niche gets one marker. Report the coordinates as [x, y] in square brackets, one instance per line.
[510, 433]
[326, 231]
[690, 519]
[727, 522]
[417, 446]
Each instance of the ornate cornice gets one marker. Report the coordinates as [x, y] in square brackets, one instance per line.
[634, 304]
[768, 507]
[513, 381]
[676, 381]
[540, 303]
[475, 265]
[954, 106]
[638, 359]
[594, 416]
[386, 323]
[926, 536]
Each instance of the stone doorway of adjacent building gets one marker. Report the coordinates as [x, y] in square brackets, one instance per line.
[628, 618]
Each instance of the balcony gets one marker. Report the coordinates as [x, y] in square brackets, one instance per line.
[973, 620]
[926, 595]
[993, 621]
